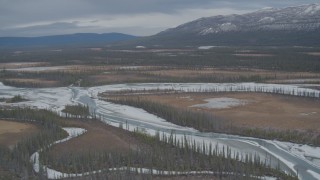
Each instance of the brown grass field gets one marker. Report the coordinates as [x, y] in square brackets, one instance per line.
[42, 82]
[117, 78]
[12, 132]
[98, 138]
[263, 110]
[21, 65]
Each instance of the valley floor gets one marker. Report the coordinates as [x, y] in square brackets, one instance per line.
[254, 110]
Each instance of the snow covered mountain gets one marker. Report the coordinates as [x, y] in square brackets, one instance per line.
[299, 25]
[300, 18]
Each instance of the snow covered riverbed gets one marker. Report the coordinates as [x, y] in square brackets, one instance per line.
[302, 151]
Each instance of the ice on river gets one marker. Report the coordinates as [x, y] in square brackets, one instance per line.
[53, 99]
[302, 151]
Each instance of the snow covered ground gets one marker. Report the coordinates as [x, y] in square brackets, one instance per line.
[53, 99]
[206, 47]
[37, 69]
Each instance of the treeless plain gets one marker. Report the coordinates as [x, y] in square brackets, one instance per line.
[98, 138]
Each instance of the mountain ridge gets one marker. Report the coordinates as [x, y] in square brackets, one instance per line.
[262, 17]
[289, 26]
[77, 39]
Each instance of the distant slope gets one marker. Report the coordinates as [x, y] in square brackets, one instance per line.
[80, 39]
[291, 26]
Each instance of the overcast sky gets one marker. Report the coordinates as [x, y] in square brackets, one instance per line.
[136, 17]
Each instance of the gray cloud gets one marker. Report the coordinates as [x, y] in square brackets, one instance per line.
[140, 17]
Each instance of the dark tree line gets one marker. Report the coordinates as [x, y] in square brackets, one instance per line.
[283, 58]
[76, 111]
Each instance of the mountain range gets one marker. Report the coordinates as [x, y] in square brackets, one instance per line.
[290, 26]
[79, 39]
[299, 25]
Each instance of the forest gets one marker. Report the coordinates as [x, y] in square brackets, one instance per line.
[160, 152]
[292, 59]
[86, 68]
[76, 111]
[17, 161]
[217, 65]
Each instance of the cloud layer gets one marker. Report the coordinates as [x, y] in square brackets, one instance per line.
[138, 17]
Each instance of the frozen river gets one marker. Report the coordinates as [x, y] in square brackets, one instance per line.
[292, 158]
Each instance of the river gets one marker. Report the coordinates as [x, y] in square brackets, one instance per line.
[131, 118]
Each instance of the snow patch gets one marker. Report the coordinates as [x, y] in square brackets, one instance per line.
[37, 69]
[266, 9]
[208, 31]
[205, 47]
[228, 27]
[267, 20]
[225, 27]
[312, 9]
[221, 103]
[187, 97]
[307, 114]
[130, 67]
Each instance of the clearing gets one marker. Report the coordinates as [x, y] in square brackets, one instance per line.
[98, 138]
[12, 132]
